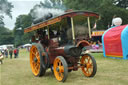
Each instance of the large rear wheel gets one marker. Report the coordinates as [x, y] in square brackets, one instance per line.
[89, 65]
[60, 68]
[35, 60]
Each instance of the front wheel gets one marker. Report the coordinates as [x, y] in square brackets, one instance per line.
[89, 66]
[35, 60]
[60, 68]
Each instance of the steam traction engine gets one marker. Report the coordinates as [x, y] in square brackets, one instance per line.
[53, 49]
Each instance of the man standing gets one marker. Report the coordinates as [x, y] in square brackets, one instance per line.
[10, 53]
[15, 53]
[6, 53]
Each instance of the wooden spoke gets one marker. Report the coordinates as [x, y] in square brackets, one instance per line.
[89, 63]
[60, 68]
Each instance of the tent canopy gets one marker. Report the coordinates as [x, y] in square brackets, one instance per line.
[115, 41]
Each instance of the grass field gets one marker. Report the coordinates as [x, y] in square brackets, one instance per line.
[109, 72]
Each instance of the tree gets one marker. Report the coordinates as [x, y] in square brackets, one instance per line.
[107, 11]
[1, 21]
[6, 36]
[106, 8]
[121, 3]
[58, 4]
[22, 21]
[5, 9]
[83, 4]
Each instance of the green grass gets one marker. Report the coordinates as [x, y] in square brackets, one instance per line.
[109, 72]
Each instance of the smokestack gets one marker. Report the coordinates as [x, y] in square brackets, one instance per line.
[46, 10]
[46, 17]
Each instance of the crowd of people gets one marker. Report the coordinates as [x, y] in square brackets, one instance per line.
[10, 52]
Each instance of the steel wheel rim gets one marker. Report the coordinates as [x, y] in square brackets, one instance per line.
[58, 66]
[87, 63]
[35, 65]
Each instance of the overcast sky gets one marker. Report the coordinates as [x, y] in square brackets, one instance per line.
[20, 7]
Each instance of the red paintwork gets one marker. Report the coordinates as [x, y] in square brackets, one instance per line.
[112, 41]
[55, 50]
[83, 43]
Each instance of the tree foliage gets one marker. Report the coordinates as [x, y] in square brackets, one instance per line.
[1, 21]
[22, 21]
[108, 14]
[121, 3]
[6, 36]
[5, 9]
[106, 8]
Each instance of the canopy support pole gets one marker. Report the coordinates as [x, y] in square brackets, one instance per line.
[73, 31]
[89, 27]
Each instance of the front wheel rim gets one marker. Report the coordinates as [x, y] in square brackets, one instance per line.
[58, 69]
[87, 64]
[35, 60]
